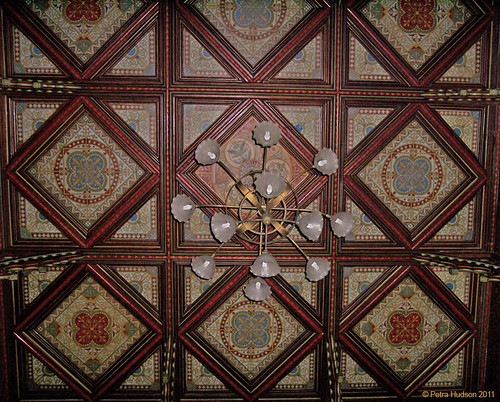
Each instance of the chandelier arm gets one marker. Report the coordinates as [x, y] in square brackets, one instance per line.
[298, 247]
[260, 238]
[265, 244]
[223, 206]
[264, 159]
[217, 250]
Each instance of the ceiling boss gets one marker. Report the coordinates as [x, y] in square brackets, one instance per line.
[267, 211]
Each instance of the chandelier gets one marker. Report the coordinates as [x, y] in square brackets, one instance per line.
[266, 211]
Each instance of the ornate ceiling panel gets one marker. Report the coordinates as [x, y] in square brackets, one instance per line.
[102, 106]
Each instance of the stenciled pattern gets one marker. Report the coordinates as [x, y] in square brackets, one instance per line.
[253, 28]
[144, 279]
[197, 118]
[355, 280]
[307, 120]
[405, 327]
[140, 117]
[29, 117]
[294, 276]
[84, 26]
[86, 170]
[91, 328]
[28, 58]
[460, 227]
[363, 66]
[40, 377]
[361, 121]
[306, 64]
[412, 174]
[145, 377]
[458, 283]
[301, 377]
[416, 28]
[194, 286]
[353, 375]
[250, 335]
[198, 377]
[466, 124]
[467, 69]
[198, 228]
[35, 282]
[197, 61]
[33, 224]
[140, 60]
[364, 229]
[143, 225]
[450, 374]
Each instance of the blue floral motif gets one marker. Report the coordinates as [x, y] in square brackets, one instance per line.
[256, 12]
[86, 172]
[251, 329]
[412, 175]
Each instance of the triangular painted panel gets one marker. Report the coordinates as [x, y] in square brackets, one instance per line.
[140, 117]
[29, 116]
[460, 227]
[354, 377]
[140, 59]
[307, 64]
[29, 59]
[466, 124]
[197, 118]
[33, 224]
[301, 377]
[35, 282]
[356, 279]
[143, 225]
[363, 66]
[40, 377]
[307, 120]
[198, 61]
[199, 378]
[361, 121]
[146, 377]
[467, 69]
[364, 229]
[451, 374]
[144, 279]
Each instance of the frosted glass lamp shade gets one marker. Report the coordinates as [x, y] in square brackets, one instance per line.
[326, 161]
[223, 227]
[257, 290]
[270, 184]
[208, 152]
[265, 266]
[182, 208]
[317, 269]
[342, 223]
[266, 133]
[203, 266]
[311, 225]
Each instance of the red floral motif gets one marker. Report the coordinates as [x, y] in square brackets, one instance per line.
[405, 328]
[92, 329]
[78, 9]
[417, 13]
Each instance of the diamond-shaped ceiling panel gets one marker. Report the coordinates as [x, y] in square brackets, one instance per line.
[253, 28]
[84, 168]
[91, 328]
[419, 167]
[405, 328]
[245, 340]
[416, 28]
[84, 26]
[412, 174]
[87, 331]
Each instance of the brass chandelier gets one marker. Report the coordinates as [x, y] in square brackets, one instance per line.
[267, 212]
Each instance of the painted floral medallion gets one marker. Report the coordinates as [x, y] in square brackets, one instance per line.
[91, 328]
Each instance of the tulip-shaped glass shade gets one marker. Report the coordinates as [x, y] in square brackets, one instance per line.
[257, 290]
[266, 133]
[311, 225]
[317, 269]
[342, 223]
[208, 152]
[203, 266]
[270, 184]
[265, 266]
[326, 161]
[182, 208]
[223, 226]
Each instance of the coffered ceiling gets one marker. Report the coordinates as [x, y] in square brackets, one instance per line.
[103, 104]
